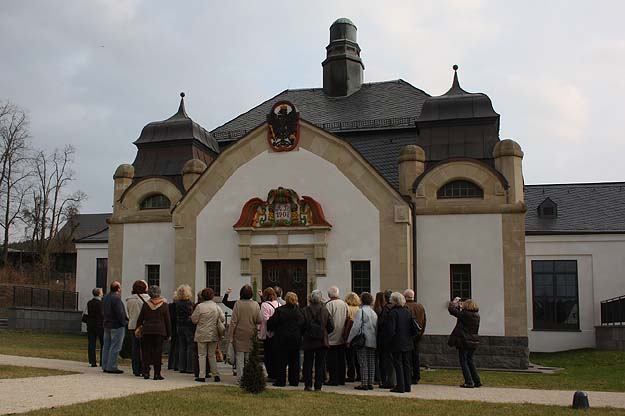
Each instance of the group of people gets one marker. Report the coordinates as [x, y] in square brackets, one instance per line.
[358, 339]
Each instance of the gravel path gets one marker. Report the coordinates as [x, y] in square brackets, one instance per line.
[22, 395]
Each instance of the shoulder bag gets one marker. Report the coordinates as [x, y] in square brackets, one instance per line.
[359, 340]
[139, 329]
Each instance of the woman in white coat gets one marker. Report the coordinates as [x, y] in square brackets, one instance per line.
[210, 327]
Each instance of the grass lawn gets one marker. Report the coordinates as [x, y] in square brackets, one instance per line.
[583, 370]
[216, 400]
[44, 345]
[13, 371]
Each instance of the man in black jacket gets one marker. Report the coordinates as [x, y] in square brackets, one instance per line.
[115, 321]
[95, 330]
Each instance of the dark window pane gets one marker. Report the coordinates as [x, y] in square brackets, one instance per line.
[555, 295]
[213, 276]
[361, 276]
[460, 281]
[158, 201]
[154, 274]
[460, 189]
[100, 274]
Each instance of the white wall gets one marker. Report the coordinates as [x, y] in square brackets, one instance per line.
[355, 234]
[601, 275]
[148, 243]
[460, 239]
[86, 255]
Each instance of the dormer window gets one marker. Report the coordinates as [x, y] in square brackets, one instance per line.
[158, 201]
[459, 189]
[548, 209]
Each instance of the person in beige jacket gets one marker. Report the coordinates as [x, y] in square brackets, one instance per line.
[207, 316]
[245, 317]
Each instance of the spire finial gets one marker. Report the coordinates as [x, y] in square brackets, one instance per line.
[455, 86]
[181, 110]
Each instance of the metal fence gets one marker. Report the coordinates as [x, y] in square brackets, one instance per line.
[35, 297]
[613, 311]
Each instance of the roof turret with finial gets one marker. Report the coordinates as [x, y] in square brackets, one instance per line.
[457, 103]
[165, 146]
[475, 124]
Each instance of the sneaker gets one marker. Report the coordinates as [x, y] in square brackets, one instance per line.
[217, 379]
[200, 379]
[467, 386]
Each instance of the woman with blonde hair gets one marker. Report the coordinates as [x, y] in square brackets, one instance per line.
[353, 368]
[465, 338]
[185, 347]
[287, 324]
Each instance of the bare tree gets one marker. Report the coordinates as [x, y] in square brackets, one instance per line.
[51, 204]
[14, 169]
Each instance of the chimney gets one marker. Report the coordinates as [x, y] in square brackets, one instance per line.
[342, 68]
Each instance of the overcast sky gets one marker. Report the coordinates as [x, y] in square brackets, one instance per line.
[93, 73]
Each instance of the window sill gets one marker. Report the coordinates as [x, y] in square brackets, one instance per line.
[556, 330]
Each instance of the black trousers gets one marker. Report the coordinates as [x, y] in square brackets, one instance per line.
[185, 349]
[416, 365]
[353, 366]
[286, 358]
[336, 364]
[152, 349]
[318, 359]
[136, 355]
[401, 363]
[94, 334]
[387, 371]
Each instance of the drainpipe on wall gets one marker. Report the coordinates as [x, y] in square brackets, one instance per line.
[414, 248]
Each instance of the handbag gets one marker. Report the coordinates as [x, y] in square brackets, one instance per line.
[221, 328]
[139, 328]
[359, 340]
[416, 328]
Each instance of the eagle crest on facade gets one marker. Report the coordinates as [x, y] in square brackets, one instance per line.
[283, 127]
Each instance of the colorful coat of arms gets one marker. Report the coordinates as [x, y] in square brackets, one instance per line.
[283, 127]
[283, 207]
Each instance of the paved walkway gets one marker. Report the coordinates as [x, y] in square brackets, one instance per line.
[22, 395]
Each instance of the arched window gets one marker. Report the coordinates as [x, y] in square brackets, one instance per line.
[158, 201]
[459, 189]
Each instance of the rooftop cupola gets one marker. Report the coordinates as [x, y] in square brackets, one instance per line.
[342, 68]
[165, 146]
[458, 124]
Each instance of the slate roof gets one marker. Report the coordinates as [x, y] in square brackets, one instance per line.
[99, 237]
[83, 225]
[176, 128]
[591, 208]
[376, 106]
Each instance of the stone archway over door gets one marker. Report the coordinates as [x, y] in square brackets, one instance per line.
[290, 275]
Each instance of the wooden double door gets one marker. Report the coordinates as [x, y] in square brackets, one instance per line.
[290, 275]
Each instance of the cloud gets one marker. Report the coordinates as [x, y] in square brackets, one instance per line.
[554, 109]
